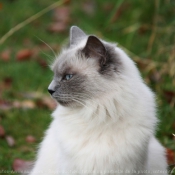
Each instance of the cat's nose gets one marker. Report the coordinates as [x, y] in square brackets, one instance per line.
[51, 91]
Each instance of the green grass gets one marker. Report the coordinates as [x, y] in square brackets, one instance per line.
[146, 30]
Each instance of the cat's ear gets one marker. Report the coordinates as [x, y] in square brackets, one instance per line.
[75, 35]
[94, 48]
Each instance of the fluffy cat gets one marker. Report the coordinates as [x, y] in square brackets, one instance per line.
[106, 117]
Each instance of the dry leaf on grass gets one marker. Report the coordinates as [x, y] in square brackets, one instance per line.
[2, 131]
[57, 27]
[10, 140]
[5, 55]
[169, 96]
[61, 14]
[24, 55]
[61, 18]
[47, 102]
[89, 7]
[1, 6]
[30, 139]
[42, 63]
[4, 105]
[26, 104]
[155, 76]
[20, 165]
[7, 81]
[170, 156]
[32, 95]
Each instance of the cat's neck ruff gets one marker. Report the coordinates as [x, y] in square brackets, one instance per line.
[106, 112]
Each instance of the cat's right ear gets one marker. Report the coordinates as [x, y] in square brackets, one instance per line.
[75, 35]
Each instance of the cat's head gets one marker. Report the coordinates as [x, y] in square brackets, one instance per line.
[88, 69]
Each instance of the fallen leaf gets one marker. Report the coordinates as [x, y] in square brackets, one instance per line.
[61, 17]
[143, 29]
[7, 81]
[155, 76]
[20, 165]
[1, 6]
[42, 63]
[5, 55]
[57, 27]
[4, 105]
[30, 139]
[108, 6]
[32, 95]
[89, 7]
[169, 95]
[2, 131]
[24, 55]
[170, 156]
[61, 14]
[27, 42]
[10, 140]
[142, 64]
[47, 102]
[26, 104]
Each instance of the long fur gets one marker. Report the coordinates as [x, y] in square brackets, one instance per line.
[111, 134]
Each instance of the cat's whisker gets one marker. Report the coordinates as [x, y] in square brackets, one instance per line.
[48, 46]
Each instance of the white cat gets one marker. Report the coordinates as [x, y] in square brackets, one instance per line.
[106, 118]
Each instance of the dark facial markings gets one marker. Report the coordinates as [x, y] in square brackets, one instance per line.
[112, 64]
[109, 62]
[72, 90]
[72, 86]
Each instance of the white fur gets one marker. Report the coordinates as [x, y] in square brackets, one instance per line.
[113, 134]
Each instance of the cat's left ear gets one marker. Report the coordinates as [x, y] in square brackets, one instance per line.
[95, 49]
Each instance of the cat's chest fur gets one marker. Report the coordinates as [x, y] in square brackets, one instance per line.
[102, 148]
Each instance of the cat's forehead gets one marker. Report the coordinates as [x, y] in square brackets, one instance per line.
[64, 61]
[72, 61]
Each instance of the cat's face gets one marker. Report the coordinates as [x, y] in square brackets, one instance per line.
[83, 71]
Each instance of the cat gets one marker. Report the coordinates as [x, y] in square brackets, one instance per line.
[105, 120]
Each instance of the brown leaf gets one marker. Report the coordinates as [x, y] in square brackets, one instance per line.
[169, 95]
[32, 95]
[143, 29]
[7, 81]
[42, 63]
[2, 131]
[108, 6]
[155, 76]
[170, 156]
[1, 6]
[24, 55]
[47, 102]
[26, 104]
[20, 165]
[61, 14]
[89, 7]
[30, 139]
[5, 55]
[57, 27]
[4, 105]
[10, 140]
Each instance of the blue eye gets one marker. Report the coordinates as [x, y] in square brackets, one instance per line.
[68, 76]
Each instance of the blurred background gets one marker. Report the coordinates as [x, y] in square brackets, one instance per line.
[145, 30]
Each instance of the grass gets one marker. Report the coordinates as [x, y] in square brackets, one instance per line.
[145, 30]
